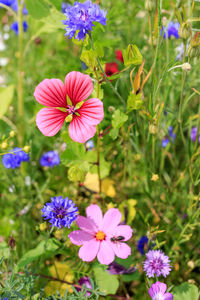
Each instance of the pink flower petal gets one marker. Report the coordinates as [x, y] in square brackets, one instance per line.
[79, 237]
[94, 212]
[123, 230]
[111, 219]
[51, 92]
[168, 296]
[79, 131]
[156, 288]
[78, 86]
[106, 254]
[89, 250]
[121, 250]
[87, 224]
[91, 112]
[50, 120]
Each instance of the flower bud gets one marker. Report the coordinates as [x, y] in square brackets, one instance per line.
[149, 5]
[193, 51]
[26, 149]
[186, 67]
[152, 129]
[12, 133]
[4, 145]
[184, 31]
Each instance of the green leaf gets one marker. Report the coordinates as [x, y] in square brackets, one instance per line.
[4, 250]
[114, 133]
[46, 248]
[6, 96]
[118, 119]
[132, 55]
[89, 58]
[134, 102]
[106, 282]
[75, 173]
[186, 291]
[38, 9]
[57, 3]
[74, 153]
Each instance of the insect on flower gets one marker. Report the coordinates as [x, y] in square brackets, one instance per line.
[117, 238]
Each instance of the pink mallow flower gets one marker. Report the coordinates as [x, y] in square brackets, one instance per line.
[64, 100]
[157, 292]
[101, 236]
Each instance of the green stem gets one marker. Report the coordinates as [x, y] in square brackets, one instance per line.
[182, 96]
[8, 9]
[20, 77]
[106, 78]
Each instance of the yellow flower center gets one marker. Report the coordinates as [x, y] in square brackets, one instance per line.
[100, 236]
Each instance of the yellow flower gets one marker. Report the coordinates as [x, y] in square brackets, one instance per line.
[154, 177]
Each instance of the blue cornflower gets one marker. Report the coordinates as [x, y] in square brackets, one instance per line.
[89, 145]
[4, 299]
[171, 133]
[50, 159]
[15, 27]
[165, 142]
[60, 212]
[171, 137]
[172, 30]
[15, 7]
[81, 18]
[14, 160]
[193, 134]
[8, 3]
[64, 6]
[143, 241]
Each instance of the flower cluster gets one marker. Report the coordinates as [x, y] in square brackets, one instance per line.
[171, 30]
[65, 101]
[60, 212]
[50, 159]
[81, 18]
[157, 291]
[157, 263]
[13, 160]
[100, 236]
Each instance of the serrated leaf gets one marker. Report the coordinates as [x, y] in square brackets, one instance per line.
[186, 291]
[114, 133]
[75, 173]
[134, 102]
[132, 55]
[106, 282]
[38, 9]
[74, 153]
[6, 96]
[118, 119]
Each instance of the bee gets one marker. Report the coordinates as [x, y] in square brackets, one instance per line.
[117, 238]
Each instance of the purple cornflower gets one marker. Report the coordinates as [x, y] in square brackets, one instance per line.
[165, 142]
[50, 159]
[157, 292]
[13, 160]
[64, 6]
[116, 269]
[157, 263]
[85, 281]
[142, 243]
[172, 30]
[60, 212]
[8, 3]
[193, 134]
[15, 27]
[171, 133]
[81, 18]
[171, 137]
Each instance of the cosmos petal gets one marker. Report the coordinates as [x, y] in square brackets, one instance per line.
[106, 254]
[111, 219]
[79, 237]
[121, 250]
[94, 212]
[89, 250]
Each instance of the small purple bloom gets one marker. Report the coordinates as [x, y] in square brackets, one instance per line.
[15, 27]
[143, 241]
[85, 281]
[117, 269]
[165, 142]
[13, 160]
[193, 134]
[172, 30]
[81, 18]
[171, 133]
[60, 212]
[157, 263]
[89, 145]
[157, 292]
[50, 159]
[15, 7]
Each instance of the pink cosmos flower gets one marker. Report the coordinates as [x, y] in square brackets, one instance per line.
[157, 292]
[63, 100]
[101, 236]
